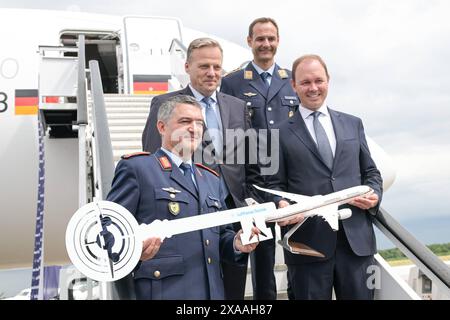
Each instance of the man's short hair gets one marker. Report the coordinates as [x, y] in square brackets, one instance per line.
[202, 43]
[166, 109]
[261, 20]
[309, 57]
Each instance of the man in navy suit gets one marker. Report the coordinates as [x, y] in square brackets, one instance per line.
[223, 114]
[166, 185]
[324, 151]
[267, 91]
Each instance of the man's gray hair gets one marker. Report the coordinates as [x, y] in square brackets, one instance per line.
[202, 43]
[166, 109]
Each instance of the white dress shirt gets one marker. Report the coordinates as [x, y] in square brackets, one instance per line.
[325, 121]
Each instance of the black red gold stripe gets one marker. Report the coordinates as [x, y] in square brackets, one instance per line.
[150, 84]
[26, 102]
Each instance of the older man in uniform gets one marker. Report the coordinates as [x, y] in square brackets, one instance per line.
[266, 89]
[166, 185]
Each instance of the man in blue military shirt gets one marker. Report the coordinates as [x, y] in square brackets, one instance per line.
[166, 185]
[266, 89]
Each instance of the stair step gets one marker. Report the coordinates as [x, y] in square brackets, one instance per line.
[127, 122]
[126, 129]
[119, 104]
[136, 115]
[143, 110]
[127, 145]
[125, 136]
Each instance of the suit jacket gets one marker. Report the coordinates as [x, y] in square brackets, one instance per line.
[187, 265]
[267, 108]
[303, 171]
[234, 115]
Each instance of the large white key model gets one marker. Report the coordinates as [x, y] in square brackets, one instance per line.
[104, 240]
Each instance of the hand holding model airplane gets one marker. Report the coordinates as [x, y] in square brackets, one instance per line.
[104, 240]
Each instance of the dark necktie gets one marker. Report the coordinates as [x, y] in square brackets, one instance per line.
[265, 77]
[323, 145]
[188, 174]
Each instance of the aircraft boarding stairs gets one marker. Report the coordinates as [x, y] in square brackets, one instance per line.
[126, 115]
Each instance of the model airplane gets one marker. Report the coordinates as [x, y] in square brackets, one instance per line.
[104, 240]
[325, 206]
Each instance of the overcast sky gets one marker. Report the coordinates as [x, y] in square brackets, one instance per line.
[388, 65]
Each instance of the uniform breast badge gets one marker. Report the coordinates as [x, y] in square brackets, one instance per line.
[174, 208]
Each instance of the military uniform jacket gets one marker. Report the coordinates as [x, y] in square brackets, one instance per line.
[267, 108]
[303, 171]
[187, 266]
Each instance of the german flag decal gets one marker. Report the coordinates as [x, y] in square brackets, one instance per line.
[150, 84]
[26, 102]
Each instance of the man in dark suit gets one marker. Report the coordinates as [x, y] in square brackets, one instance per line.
[324, 151]
[267, 91]
[224, 114]
[166, 185]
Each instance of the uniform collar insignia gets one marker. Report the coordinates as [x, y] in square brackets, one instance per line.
[282, 73]
[248, 74]
[165, 163]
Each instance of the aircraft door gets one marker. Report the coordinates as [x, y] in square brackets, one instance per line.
[147, 58]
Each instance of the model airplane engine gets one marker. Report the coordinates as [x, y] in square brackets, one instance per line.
[344, 213]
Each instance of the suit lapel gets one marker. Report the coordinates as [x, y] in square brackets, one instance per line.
[298, 127]
[257, 82]
[224, 111]
[202, 187]
[275, 84]
[338, 126]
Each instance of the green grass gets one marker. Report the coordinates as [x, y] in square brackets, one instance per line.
[396, 255]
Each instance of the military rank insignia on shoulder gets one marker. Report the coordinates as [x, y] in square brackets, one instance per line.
[135, 154]
[282, 73]
[207, 169]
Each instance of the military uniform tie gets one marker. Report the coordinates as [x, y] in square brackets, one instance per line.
[189, 175]
[265, 76]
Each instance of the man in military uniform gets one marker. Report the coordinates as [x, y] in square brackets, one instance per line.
[166, 185]
[266, 89]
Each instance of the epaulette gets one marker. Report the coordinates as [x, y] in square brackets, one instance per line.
[232, 71]
[206, 168]
[135, 154]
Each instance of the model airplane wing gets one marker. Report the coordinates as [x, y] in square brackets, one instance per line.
[287, 195]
